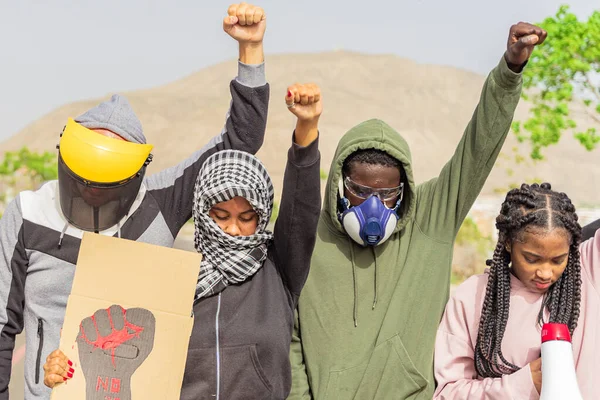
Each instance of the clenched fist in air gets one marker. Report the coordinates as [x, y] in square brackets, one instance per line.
[246, 24]
[522, 38]
[305, 102]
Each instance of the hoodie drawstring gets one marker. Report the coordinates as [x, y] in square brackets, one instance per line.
[62, 234]
[355, 310]
[374, 278]
[355, 284]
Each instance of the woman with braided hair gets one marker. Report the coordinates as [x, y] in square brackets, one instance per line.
[488, 343]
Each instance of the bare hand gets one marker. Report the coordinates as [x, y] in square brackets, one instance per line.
[245, 23]
[304, 101]
[523, 37]
[536, 373]
[57, 369]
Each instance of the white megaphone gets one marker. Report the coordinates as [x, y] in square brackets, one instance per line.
[559, 381]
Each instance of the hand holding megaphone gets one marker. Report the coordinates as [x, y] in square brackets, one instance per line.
[536, 373]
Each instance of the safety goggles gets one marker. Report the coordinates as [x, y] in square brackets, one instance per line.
[364, 192]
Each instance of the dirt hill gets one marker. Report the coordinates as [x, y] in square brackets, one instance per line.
[430, 105]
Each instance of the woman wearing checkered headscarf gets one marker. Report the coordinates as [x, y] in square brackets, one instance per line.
[231, 258]
[250, 279]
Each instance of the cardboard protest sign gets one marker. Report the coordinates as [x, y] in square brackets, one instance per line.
[128, 320]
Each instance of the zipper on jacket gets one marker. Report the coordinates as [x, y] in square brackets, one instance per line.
[40, 333]
[217, 347]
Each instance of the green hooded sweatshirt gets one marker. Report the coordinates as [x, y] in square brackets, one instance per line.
[368, 316]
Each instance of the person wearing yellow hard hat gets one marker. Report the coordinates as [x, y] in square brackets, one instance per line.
[102, 187]
[99, 177]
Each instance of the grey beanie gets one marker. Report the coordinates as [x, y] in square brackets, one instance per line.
[117, 116]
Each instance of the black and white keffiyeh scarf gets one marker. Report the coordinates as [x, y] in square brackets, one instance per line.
[230, 259]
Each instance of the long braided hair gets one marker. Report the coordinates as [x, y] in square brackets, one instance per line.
[536, 206]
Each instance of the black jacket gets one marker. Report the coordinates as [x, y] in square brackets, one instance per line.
[590, 229]
[240, 343]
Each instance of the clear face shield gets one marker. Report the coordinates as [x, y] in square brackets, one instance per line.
[92, 206]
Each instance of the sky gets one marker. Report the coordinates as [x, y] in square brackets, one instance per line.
[56, 52]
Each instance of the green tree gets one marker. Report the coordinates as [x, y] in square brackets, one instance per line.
[471, 249]
[275, 212]
[563, 70]
[323, 174]
[35, 166]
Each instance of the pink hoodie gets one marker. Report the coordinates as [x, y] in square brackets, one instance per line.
[455, 372]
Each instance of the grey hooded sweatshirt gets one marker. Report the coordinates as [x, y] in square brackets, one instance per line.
[36, 274]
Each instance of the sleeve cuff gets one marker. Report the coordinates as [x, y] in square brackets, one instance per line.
[521, 384]
[505, 77]
[251, 75]
[304, 156]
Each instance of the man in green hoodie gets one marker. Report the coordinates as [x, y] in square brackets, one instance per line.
[380, 275]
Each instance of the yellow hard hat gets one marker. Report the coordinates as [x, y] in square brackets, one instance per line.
[100, 159]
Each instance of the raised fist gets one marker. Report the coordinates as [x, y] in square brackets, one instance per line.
[523, 37]
[112, 344]
[245, 23]
[304, 101]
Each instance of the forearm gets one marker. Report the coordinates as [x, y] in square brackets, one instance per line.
[518, 385]
[244, 130]
[306, 132]
[251, 53]
[452, 194]
[295, 229]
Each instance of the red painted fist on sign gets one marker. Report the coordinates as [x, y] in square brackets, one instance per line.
[112, 344]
